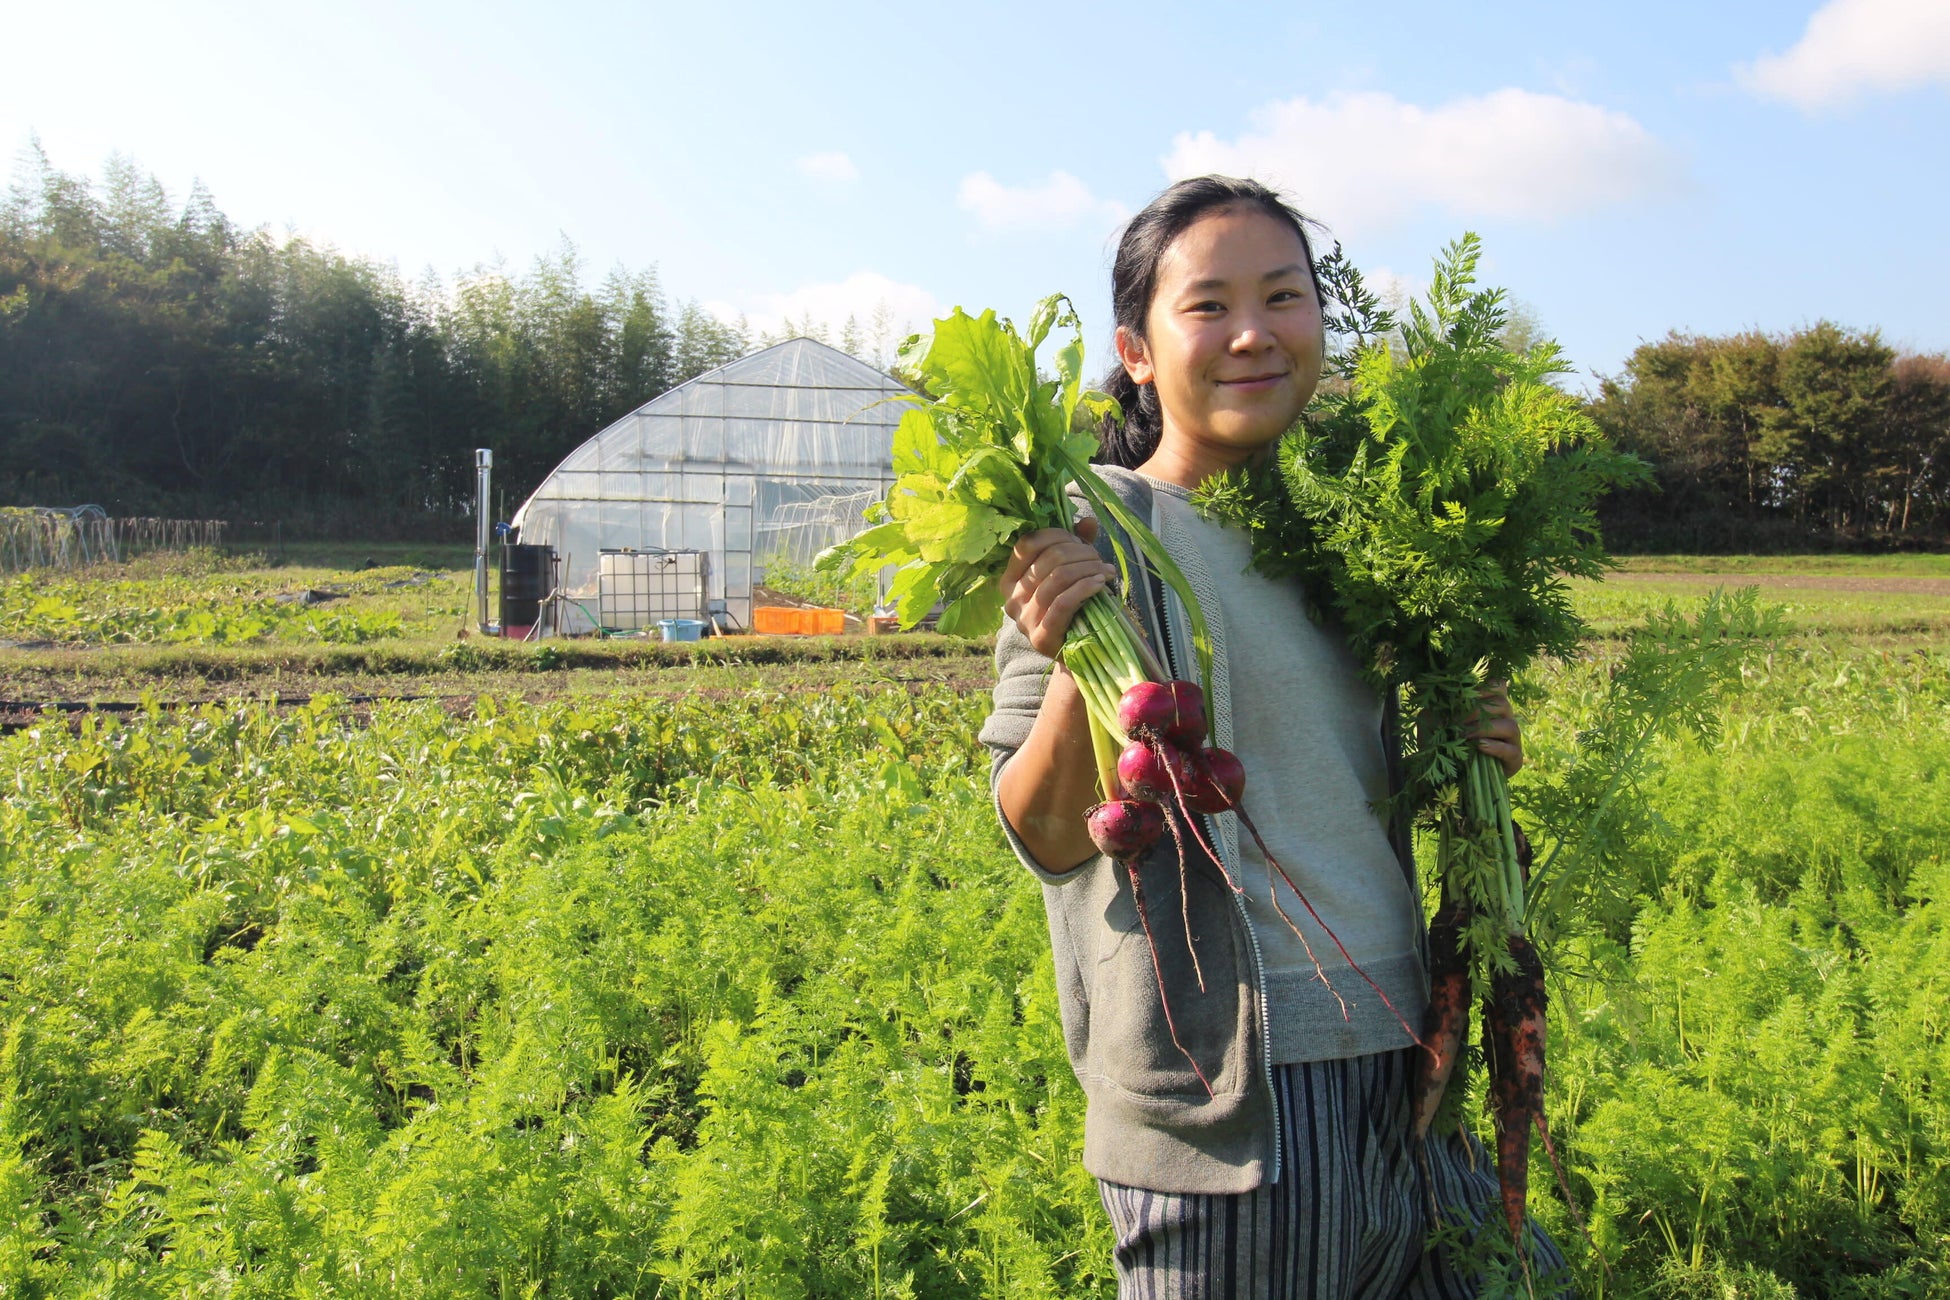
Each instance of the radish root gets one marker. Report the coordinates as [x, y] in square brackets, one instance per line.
[1157, 968]
[1185, 900]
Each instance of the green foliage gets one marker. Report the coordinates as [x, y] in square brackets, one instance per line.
[1437, 507]
[191, 607]
[990, 450]
[1748, 1080]
[1813, 436]
[744, 996]
[856, 594]
[1676, 671]
[353, 627]
[740, 997]
[159, 359]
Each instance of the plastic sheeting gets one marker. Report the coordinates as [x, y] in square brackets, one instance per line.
[730, 464]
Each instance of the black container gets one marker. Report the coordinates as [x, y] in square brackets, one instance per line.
[525, 576]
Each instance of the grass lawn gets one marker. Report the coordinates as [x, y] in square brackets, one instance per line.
[1895, 600]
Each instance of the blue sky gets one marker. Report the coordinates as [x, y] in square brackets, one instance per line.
[1632, 168]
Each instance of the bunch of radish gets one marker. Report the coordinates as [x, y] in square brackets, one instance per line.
[1166, 775]
[1165, 755]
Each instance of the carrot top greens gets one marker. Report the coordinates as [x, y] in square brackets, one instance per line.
[1436, 500]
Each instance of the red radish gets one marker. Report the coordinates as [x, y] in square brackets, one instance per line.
[1157, 769]
[1188, 731]
[1124, 828]
[1146, 709]
[1445, 1026]
[1513, 1039]
[1172, 711]
[1141, 770]
[1218, 779]
[1228, 773]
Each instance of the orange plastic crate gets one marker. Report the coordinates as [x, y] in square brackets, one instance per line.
[779, 620]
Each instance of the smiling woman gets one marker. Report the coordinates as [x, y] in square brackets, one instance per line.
[1236, 330]
[1283, 1161]
[1232, 344]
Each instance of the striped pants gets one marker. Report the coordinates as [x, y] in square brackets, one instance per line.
[1349, 1218]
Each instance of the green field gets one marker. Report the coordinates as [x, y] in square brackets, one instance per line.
[395, 621]
[400, 618]
[1896, 565]
[634, 977]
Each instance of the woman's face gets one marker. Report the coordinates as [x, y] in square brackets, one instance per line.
[1234, 338]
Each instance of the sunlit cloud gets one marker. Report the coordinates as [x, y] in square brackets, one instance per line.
[1361, 161]
[1854, 47]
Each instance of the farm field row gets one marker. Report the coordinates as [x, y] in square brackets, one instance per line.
[1891, 610]
[556, 670]
[742, 995]
[206, 627]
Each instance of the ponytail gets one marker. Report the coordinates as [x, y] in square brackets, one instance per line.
[1129, 442]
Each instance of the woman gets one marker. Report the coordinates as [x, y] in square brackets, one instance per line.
[1250, 1128]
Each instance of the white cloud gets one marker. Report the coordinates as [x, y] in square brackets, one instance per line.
[828, 167]
[909, 308]
[1852, 46]
[1060, 203]
[1369, 159]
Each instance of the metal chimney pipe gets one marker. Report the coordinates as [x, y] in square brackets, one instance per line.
[483, 471]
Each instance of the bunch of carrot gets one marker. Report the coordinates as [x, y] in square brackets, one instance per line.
[1436, 500]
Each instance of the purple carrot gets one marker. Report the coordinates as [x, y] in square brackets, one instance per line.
[1446, 1025]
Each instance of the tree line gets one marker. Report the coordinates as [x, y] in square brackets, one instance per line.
[159, 359]
[1820, 437]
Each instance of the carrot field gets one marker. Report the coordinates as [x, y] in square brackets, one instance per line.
[593, 985]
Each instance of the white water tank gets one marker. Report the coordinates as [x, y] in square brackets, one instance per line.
[638, 589]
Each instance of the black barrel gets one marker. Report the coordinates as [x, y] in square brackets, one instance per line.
[525, 573]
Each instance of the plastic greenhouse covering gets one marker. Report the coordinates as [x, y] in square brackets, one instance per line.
[777, 453]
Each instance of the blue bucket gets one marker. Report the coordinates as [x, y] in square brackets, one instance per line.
[680, 629]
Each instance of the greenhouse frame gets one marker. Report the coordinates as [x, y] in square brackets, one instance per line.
[777, 453]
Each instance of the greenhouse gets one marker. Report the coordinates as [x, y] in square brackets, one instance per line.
[685, 500]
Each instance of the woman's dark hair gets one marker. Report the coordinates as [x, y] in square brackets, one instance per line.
[1134, 279]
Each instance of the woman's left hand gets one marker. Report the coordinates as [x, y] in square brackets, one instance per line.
[1494, 728]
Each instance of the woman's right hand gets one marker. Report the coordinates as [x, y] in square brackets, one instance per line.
[1050, 574]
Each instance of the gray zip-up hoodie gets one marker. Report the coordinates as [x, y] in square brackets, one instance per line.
[1150, 1122]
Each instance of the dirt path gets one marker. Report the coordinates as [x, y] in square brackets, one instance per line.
[1805, 581]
